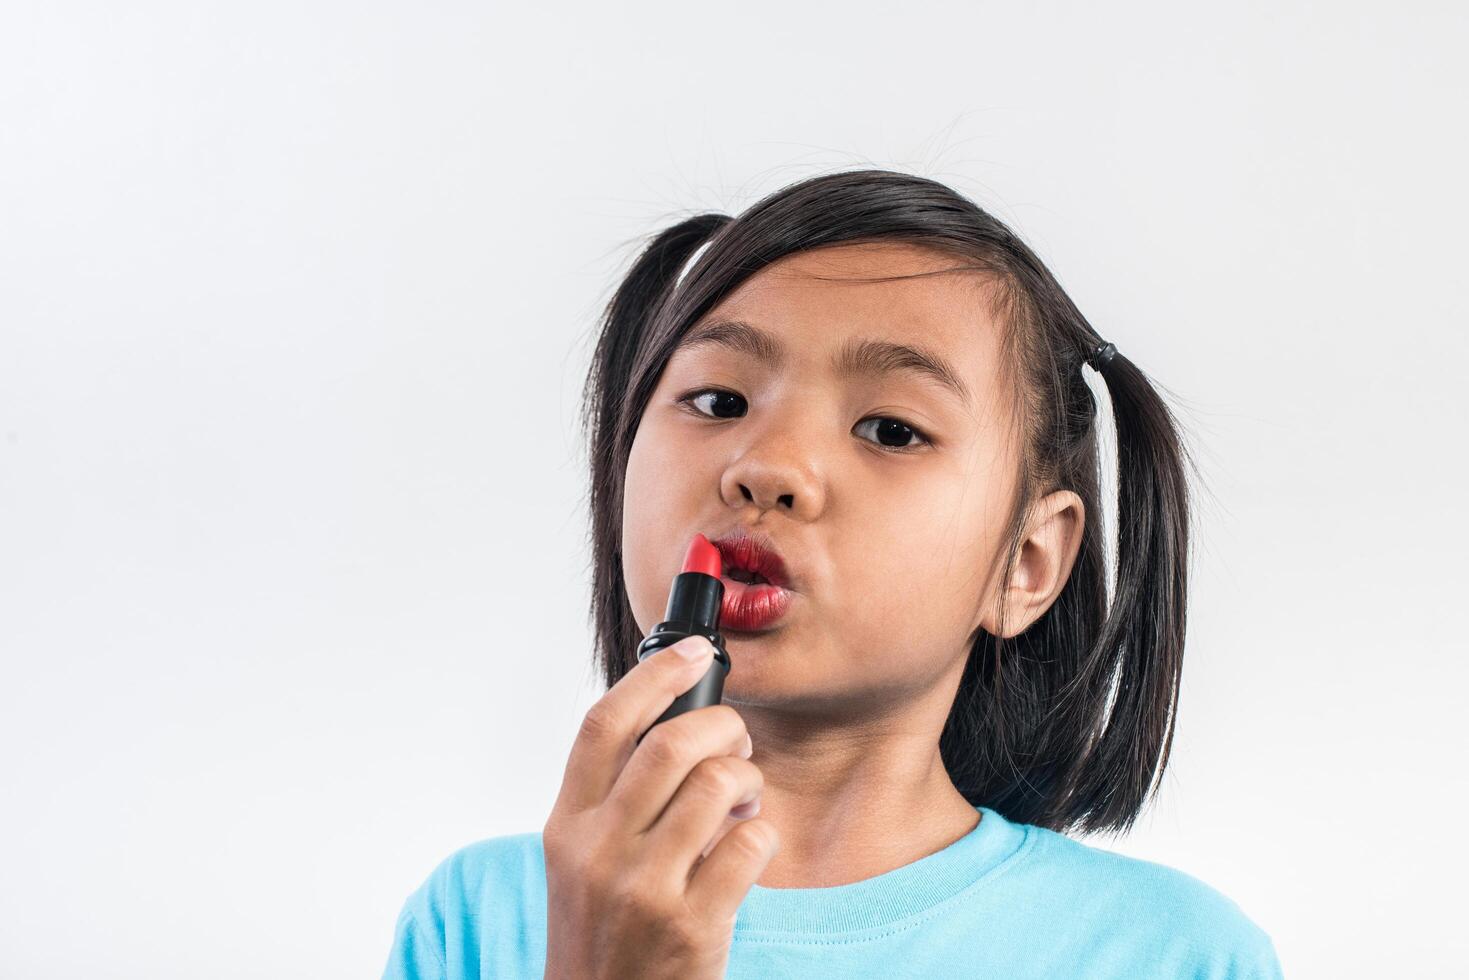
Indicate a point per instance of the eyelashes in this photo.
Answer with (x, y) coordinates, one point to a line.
(904, 428)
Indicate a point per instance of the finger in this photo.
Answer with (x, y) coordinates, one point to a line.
(720, 883)
(732, 819)
(610, 729)
(667, 755)
(698, 810)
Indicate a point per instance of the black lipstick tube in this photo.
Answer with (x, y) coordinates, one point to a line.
(694, 604)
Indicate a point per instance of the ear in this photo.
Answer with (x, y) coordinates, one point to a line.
(1048, 549)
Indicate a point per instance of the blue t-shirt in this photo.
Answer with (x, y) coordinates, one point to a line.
(1006, 900)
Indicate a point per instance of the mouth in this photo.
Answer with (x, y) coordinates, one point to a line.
(752, 559)
(757, 587)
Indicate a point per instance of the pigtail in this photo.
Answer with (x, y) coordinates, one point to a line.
(1142, 634)
(623, 325)
(1068, 723)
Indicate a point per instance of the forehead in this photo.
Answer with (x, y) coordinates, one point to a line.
(821, 301)
(893, 290)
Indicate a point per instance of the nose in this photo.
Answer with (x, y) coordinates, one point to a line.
(775, 474)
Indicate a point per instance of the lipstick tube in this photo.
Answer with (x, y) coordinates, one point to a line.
(694, 603)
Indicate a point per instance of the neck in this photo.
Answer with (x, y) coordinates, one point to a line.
(853, 801)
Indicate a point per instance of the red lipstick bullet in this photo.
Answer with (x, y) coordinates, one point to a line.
(694, 602)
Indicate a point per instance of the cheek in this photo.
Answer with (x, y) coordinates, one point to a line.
(654, 473)
(639, 523)
(658, 512)
(916, 577)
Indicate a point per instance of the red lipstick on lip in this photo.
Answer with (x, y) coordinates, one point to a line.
(694, 604)
(750, 606)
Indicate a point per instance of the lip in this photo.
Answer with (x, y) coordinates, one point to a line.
(750, 606)
(756, 553)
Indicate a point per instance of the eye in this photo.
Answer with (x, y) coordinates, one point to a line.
(892, 433)
(726, 400)
(896, 430)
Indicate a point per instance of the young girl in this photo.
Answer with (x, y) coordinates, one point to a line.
(870, 395)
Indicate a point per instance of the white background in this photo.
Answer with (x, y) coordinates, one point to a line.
(295, 305)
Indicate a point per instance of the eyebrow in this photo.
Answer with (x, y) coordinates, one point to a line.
(857, 356)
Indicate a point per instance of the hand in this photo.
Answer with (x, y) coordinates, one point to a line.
(647, 856)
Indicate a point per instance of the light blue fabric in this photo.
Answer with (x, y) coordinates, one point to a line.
(1007, 900)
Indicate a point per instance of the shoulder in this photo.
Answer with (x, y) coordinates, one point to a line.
(1175, 916)
(498, 879)
(506, 860)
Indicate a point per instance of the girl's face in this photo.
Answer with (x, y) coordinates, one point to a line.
(884, 489)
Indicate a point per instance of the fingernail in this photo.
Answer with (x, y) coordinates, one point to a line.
(746, 810)
(693, 648)
(749, 748)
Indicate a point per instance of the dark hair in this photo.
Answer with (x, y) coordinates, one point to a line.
(1066, 724)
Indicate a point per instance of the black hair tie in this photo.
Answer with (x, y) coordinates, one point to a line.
(1098, 358)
